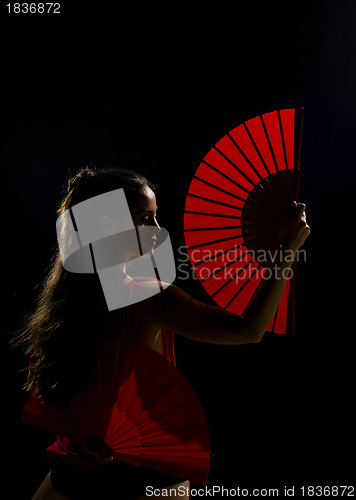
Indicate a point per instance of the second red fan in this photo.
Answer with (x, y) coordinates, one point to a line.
(140, 405)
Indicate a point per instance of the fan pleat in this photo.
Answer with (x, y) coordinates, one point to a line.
(195, 201)
(216, 284)
(255, 141)
(245, 275)
(210, 255)
(220, 264)
(288, 121)
(237, 154)
(207, 222)
(254, 130)
(244, 292)
(201, 252)
(206, 207)
(204, 236)
(274, 133)
(242, 141)
(230, 178)
(282, 139)
(226, 180)
(227, 150)
(215, 193)
(209, 214)
(220, 157)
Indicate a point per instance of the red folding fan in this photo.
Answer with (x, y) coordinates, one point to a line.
(141, 407)
(236, 202)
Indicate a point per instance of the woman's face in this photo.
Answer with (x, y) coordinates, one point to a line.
(144, 214)
(118, 245)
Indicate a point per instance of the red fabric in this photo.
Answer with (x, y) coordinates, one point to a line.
(123, 323)
(167, 335)
(148, 413)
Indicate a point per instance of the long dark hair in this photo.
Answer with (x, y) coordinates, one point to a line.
(60, 335)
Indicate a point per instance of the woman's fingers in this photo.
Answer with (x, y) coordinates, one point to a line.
(103, 453)
(299, 210)
(294, 228)
(304, 228)
(104, 459)
(97, 449)
(295, 212)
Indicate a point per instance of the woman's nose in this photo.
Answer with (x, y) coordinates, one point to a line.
(157, 228)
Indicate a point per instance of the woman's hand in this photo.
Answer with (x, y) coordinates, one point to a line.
(294, 228)
(96, 448)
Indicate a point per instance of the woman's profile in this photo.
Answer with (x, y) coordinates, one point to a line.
(71, 312)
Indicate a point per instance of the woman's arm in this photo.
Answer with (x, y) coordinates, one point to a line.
(176, 310)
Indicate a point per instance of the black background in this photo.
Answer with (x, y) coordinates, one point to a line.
(153, 88)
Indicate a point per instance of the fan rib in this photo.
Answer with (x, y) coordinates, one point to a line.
(214, 201)
(269, 143)
(220, 240)
(226, 176)
(229, 280)
(223, 267)
(218, 254)
(217, 228)
(234, 165)
(298, 122)
(256, 148)
(242, 287)
(219, 188)
(156, 422)
(283, 141)
(213, 215)
(151, 448)
(158, 433)
(245, 157)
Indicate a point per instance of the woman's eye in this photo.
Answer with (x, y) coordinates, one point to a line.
(148, 219)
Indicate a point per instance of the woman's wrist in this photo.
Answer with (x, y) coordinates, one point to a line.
(283, 262)
(288, 253)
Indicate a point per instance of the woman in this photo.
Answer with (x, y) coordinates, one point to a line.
(71, 311)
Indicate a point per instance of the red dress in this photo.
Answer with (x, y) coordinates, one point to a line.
(154, 415)
(121, 323)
